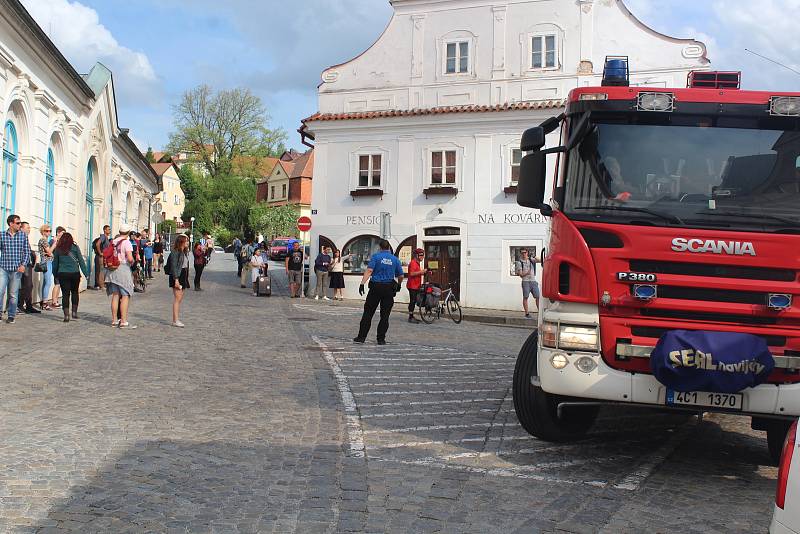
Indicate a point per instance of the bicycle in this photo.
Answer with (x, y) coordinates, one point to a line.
(447, 302)
(139, 280)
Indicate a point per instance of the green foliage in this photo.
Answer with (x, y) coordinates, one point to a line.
(222, 236)
(167, 227)
(274, 220)
(149, 155)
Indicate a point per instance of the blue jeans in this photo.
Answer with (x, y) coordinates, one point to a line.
(9, 280)
(47, 282)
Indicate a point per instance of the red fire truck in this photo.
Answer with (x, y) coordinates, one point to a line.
(670, 209)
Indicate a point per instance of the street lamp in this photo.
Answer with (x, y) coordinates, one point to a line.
(191, 233)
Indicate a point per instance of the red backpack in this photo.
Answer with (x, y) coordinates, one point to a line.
(110, 258)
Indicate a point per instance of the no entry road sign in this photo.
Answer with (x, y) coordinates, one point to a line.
(304, 224)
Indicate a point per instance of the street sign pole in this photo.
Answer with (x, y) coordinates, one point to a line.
(303, 226)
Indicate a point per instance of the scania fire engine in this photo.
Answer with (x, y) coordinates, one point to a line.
(669, 209)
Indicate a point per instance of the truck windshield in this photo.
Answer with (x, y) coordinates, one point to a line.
(706, 177)
(279, 243)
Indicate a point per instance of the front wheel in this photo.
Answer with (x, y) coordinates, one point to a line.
(537, 410)
(454, 310)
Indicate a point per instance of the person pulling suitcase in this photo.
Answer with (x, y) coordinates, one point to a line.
(259, 264)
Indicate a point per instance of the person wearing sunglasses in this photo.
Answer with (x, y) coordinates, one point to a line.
(14, 256)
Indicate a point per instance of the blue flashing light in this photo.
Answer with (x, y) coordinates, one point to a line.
(779, 301)
(645, 291)
(616, 72)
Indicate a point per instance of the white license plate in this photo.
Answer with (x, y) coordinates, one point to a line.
(727, 401)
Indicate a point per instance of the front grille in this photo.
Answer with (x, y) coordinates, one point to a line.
(711, 295)
(708, 317)
(655, 332)
(713, 271)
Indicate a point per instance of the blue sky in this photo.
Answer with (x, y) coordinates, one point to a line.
(159, 48)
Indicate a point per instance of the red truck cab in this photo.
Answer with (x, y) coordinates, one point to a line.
(669, 209)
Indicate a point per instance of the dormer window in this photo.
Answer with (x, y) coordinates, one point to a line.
(544, 51)
(457, 57)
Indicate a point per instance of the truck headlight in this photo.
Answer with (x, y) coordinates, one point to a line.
(566, 336)
(577, 337)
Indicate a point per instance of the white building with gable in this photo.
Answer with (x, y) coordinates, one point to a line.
(66, 160)
(425, 125)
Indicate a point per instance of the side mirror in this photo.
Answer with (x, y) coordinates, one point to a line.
(532, 179)
(532, 139)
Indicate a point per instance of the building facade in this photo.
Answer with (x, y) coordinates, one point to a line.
(66, 160)
(171, 200)
(290, 182)
(425, 126)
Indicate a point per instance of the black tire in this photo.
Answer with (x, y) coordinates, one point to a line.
(428, 315)
(454, 310)
(776, 435)
(537, 410)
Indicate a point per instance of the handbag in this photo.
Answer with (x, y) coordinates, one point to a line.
(40, 268)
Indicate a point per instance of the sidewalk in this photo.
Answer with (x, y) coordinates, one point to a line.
(475, 315)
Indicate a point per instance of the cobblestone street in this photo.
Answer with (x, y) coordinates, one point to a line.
(263, 416)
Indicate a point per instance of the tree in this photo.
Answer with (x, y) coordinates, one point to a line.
(274, 220)
(218, 126)
(167, 227)
(149, 155)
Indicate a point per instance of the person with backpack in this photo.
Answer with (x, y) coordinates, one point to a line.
(525, 268)
(68, 264)
(177, 267)
(244, 262)
(237, 249)
(118, 261)
(200, 260)
(99, 245)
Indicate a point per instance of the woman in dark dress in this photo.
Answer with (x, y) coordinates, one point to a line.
(158, 252)
(178, 266)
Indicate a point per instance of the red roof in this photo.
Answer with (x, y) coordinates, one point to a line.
(304, 166)
(359, 115)
(161, 168)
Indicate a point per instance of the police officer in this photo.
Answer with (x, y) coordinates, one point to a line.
(387, 274)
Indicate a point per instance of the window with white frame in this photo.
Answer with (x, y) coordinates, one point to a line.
(177, 200)
(369, 170)
(164, 196)
(516, 160)
(443, 168)
(457, 57)
(283, 191)
(272, 192)
(544, 51)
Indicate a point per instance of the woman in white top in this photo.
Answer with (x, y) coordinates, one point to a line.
(260, 263)
(337, 273)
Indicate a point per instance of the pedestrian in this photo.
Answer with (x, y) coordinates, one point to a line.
(147, 254)
(68, 263)
(60, 230)
(46, 267)
(200, 260)
(415, 274)
(177, 267)
(525, 268)
(260, 238)
(26, 284)
(337, 273)
(237, 249)
(208, 246)
(119, 280)
(321, 265)
(158, 252)
(259, 264)
(385, 275)
(294, 269)
(99, 245)
(244, 262)
(14, 256)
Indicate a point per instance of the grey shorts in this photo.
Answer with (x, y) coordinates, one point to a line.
(530, 287)
(294, 277)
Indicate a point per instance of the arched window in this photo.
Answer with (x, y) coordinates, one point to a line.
(406, 249)
(49, 187)
(111, 210)
(9, 178)
(325, 242)
(89, 221)
(362, 248)
(128, 207)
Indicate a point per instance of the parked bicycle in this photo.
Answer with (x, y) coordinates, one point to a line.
(435, 302)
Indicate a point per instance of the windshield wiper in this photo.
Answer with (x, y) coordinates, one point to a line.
(665, 216)
(784, 220)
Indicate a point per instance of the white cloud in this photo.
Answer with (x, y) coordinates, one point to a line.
(76, 30)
